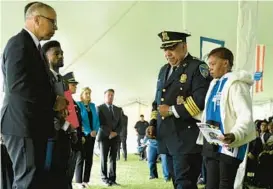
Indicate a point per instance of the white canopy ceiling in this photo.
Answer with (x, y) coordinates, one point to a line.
(112, 44)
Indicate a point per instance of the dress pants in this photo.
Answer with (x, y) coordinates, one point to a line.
(6, 169)
(60, 156)
(84, 160)
(28, 159)
(184, 170)
(108, 146)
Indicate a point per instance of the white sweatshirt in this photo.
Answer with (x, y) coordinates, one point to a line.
(235, 108)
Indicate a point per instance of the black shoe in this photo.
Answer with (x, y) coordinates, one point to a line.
(106, 183)
(114, 183)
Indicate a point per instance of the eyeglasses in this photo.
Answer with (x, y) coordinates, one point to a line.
(53, 21)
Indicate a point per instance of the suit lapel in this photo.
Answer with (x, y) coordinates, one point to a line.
(41, 56)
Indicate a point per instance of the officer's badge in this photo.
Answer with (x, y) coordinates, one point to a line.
(165, 36)
(180, 100)
(204, 70)
(183, 78)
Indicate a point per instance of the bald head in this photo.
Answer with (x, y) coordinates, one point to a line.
(36, 8)
(41, 20)
(28, 5)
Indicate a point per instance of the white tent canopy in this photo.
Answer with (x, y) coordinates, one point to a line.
(114, 44)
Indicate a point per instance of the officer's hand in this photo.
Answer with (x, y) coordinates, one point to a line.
(93, 134)
(227, 138)
(163, 110)
(150, 132)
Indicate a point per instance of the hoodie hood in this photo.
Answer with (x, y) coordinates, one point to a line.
(240, 75)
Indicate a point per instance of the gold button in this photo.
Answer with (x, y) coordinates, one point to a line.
(181, 88)
(164, 90)
(162, 99)
(163, 118)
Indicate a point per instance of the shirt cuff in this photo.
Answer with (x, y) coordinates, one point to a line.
(175, 112)
(65, 126)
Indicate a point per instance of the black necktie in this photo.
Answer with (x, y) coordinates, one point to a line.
(173, 71)
(111, 111)
(59, 78)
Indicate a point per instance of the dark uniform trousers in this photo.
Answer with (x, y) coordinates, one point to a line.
(60, 155)
(185, 89)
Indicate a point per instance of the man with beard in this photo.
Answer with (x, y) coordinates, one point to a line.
(57, 163)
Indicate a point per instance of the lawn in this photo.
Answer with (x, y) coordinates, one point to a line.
(132, 174)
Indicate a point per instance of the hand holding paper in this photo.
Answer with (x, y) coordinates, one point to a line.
(227, 138)
(211, 134)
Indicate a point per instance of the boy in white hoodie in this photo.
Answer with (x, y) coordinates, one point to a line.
(228, 106)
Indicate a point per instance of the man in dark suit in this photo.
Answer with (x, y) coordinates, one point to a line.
(108, 136)
(123, 137)
(64, 132)
(27, 112)
(180, 95)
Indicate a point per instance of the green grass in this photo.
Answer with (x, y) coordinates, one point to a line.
(132, 174)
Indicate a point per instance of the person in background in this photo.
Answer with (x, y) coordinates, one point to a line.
(270, 127)
(140, 128)
(110, 117)
(90, 123)
(123, 137)
(235, 122)
(151, 147)
(263, 128)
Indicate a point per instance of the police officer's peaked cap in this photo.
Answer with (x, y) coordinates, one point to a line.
(70, 78)
(171, 38)
(50, 44)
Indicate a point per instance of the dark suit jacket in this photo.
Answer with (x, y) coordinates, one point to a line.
(29, 97)
(106, 123)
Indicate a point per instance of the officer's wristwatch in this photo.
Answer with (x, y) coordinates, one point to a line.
(170, 111)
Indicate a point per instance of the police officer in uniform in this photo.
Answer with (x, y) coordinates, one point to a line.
(180, 95)
(76, 145)
(65, 134)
